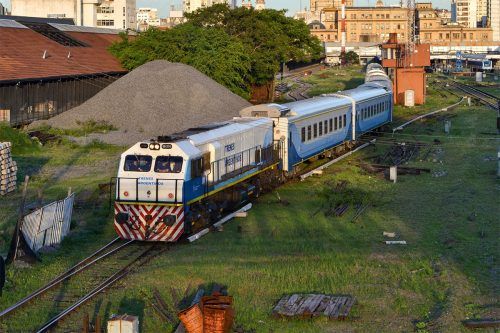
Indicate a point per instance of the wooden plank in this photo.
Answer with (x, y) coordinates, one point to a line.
(322, 305)
(344, 312)
(335, 312)
(331, 306)
(294, 309)
(279, 307)
(307, 309)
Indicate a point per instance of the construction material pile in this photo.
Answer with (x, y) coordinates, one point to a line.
(214, 314)
(157, 98)
(8, 169)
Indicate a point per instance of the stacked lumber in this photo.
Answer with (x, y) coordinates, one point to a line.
(314, 305)
(8, 169)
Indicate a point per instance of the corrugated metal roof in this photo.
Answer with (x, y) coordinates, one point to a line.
(21, 55)
(76, 28)
(11, 24)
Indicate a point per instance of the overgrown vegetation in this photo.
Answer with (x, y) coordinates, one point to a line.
(445, 274)
(237, 47)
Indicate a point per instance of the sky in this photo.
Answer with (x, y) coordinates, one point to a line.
(292, 5)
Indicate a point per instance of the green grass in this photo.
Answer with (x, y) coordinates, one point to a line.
(445, 274)
(331, 80)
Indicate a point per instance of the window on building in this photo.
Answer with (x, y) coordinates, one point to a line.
(105, 10)
(123, 24)
(124, 11)
(105, 23)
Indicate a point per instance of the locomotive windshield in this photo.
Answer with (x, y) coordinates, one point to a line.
(138, 163)
(168, 164)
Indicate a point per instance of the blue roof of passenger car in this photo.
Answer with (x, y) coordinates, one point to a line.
(315, 105)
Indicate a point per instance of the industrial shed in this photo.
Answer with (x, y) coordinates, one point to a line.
(48, 66)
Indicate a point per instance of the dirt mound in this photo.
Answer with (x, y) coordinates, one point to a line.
(157, 98)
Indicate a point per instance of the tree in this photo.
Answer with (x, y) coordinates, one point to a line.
(210, 50)
(350, 58)
(270, 36)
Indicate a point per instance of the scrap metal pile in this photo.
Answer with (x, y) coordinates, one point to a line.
(8, 169)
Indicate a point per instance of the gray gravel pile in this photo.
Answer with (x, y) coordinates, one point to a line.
(157, 98)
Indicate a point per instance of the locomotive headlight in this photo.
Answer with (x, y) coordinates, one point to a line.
(169, 220)
(154, 146)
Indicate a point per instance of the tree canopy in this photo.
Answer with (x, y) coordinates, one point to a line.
(236, 47)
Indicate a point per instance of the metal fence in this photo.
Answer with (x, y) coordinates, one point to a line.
(48, 225)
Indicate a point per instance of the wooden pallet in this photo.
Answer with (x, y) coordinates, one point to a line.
(314, 305)
(8, 169)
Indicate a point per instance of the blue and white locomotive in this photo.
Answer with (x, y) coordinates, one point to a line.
(179, 184)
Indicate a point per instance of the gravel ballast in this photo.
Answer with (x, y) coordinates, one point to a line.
(157, 98)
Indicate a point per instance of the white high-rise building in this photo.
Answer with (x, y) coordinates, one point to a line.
(193, 5)
(494, 18)
(147, 17)
(260, 4)
(482, 10)
(115, 14)
(466, 12)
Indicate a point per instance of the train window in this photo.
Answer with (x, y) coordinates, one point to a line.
(168, 164)
(336, 123)
(326, 126)
(331, 125)
(303, 134)
(320, 128)
(196, 168)
(345, 120)
(340, 122)
(138, 163)
(309, 132)
(315, 129)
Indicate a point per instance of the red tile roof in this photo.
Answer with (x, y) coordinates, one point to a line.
(21, 55)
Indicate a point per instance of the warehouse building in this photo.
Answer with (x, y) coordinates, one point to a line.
(49, 66)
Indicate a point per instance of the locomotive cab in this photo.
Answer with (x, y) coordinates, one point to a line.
(155, 172)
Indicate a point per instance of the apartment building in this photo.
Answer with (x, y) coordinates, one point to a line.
(193, 5)
(465, 12)
(115, 14)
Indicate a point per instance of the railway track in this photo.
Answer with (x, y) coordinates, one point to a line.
(67, 292)
(489, 100)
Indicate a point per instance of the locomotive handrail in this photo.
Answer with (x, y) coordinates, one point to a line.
(157, 184)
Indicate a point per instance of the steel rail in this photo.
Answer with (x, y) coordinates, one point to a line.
(483, 97)
(67, 274)
(105, 284)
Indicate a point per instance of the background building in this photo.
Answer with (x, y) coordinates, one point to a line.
(363, 24)
(465, 12)
(3, 10)
(116, 14)
(193, 5)
(147, 17)
(260, 4)
(494, 18)
(49, 67)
